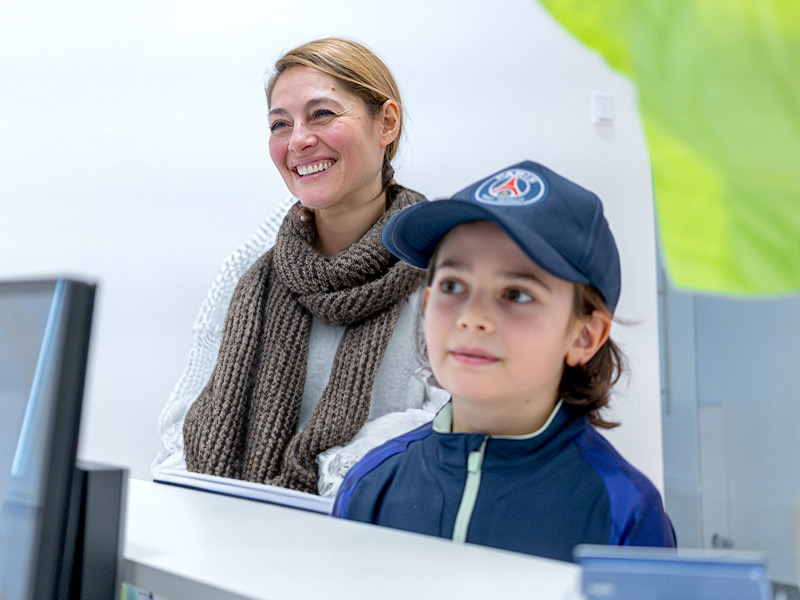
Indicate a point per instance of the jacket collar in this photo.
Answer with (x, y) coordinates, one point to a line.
(443, 423)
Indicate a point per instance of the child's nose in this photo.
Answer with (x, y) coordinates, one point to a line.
(475, 316)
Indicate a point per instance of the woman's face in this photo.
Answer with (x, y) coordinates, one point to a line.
(326, 146)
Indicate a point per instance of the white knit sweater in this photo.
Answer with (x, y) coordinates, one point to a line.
(400, 399)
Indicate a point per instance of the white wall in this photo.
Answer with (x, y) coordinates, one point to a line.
(133, 149)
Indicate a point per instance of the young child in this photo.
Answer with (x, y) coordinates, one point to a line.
(523, 279)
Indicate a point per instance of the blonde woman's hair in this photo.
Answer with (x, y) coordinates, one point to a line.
(361, 73)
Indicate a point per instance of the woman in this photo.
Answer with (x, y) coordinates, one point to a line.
(318, 338)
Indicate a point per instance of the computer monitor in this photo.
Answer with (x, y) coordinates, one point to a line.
(44, 340)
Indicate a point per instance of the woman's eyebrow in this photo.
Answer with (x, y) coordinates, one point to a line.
(309, 105)
(321, 100)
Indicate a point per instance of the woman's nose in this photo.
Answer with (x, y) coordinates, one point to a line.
(302, 138)
(476, 317)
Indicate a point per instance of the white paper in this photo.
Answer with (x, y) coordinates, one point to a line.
(246, 489)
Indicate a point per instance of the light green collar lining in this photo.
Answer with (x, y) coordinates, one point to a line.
(443, 423)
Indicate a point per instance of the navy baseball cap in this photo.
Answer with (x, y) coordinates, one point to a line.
(558, 224)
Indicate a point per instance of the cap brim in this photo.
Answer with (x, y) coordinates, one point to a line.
(414, 233)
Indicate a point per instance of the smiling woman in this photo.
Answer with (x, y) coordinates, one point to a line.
(329, 149)
(318, 337)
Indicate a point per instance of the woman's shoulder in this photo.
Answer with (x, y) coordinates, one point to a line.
(246, 255)
(263, 238)
(236, 264)
(403, 194)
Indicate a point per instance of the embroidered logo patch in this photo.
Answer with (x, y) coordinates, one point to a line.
(514, 187)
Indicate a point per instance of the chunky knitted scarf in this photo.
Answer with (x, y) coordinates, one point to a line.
(244, 423)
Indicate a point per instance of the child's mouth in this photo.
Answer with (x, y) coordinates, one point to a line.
(473, 357)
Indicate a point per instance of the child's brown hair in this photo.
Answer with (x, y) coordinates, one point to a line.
(588, 386)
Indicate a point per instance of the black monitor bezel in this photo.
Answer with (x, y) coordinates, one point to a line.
(51, 554)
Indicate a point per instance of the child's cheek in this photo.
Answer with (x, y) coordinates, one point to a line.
(435, 332)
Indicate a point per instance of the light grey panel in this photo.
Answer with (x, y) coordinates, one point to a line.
(680, 418)
(748, 360)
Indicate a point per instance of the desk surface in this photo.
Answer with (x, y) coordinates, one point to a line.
(190, 545)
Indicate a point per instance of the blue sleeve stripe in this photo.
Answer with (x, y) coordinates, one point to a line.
(372, 460)
(628, 490)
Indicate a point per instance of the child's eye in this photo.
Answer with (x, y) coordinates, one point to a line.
(515, 295)
(450, 286)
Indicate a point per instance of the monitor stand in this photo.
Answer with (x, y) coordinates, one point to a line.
(94, 532)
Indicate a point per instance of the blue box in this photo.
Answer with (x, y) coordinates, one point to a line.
(635, 573)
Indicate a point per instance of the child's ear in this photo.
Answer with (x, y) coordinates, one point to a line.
(425, 300)
(592, 334)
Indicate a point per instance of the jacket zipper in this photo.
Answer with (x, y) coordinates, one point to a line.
(470, 494)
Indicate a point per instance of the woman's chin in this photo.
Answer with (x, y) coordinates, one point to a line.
(316, 196)
(316, 202)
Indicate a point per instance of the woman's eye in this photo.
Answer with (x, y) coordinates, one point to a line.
(322, 113)
(515, 295)
(449, 286)
(277, 125)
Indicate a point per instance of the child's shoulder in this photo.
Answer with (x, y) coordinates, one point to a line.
(385, 451)
(635, 505)
(621, 478)
(377, 463)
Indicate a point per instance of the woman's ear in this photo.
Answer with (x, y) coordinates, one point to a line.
(390, 122)
(592, 334)
(425, 300)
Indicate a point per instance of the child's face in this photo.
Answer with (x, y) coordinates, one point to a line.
(498, 330)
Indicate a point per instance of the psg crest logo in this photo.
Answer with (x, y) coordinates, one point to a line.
(514, 187)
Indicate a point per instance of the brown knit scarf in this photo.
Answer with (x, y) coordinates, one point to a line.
(244, 423)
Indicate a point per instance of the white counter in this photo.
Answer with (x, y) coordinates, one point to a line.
(189, 545)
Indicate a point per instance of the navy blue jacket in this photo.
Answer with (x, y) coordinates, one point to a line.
(540, 494)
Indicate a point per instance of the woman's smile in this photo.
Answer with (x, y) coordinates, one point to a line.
(307, 168)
